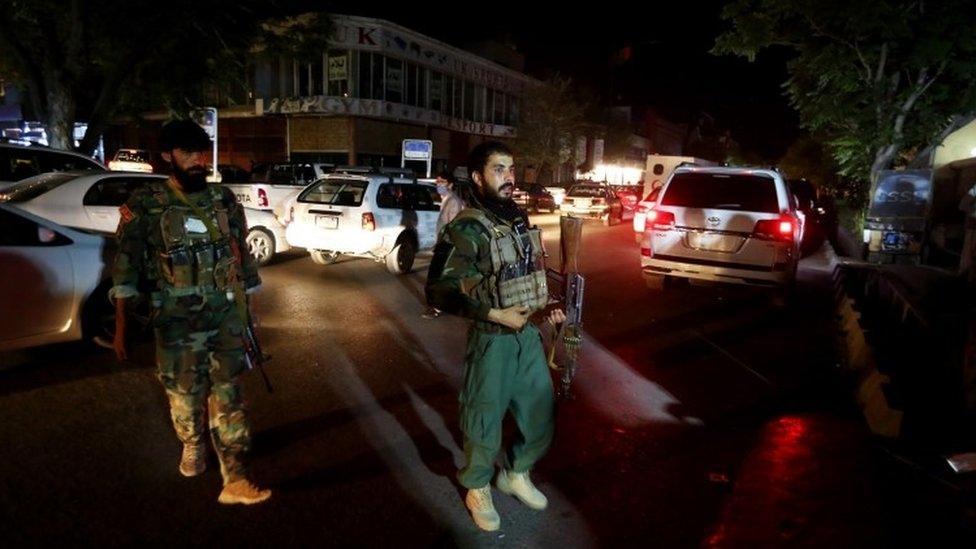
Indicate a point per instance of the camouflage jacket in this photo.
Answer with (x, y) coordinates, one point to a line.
(140, 264)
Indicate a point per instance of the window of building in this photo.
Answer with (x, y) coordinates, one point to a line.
(479, 103)
(436, 91)
(318, 76)
(365, 72)
(422, 78)
(394, 80)
(457, 93)
(411, 89)
(304, 73)
(377, 78)
(512, 114)
(337, 74)
(469, 102)
(498, 108)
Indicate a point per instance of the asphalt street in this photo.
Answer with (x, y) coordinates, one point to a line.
(705, 415)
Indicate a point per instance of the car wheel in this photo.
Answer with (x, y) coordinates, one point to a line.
(324, 257)
(261, 245)
(400, 259)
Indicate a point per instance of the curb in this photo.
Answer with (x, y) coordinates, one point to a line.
(857, 358)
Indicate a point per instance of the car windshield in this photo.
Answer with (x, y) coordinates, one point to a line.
(30, 189)
(722, 191)
(132, 156)
(337, 192)
(586, 190)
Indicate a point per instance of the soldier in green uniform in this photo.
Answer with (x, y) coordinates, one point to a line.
(488, 266)
(182, 242)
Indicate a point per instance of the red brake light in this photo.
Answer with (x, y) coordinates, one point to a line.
(262, 197)
(369, 224)
(775, 229)
(660, 219)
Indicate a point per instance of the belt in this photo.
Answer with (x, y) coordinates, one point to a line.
(492, 328)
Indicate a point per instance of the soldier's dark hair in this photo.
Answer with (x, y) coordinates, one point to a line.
(184, 134)
(479, 155)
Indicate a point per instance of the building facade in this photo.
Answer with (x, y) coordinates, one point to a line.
(378, 84)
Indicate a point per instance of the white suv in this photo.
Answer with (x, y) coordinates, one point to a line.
(384, 216)
(723, 224)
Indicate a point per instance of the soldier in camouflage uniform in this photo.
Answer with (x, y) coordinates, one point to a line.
(181, 241)
(489, 266)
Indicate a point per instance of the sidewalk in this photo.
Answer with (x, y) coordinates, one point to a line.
(913, 322)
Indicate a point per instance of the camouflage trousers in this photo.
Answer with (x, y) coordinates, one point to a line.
(200, 357)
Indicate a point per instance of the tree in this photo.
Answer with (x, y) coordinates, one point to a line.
(552, 119)
(880, 79)
(94, 60)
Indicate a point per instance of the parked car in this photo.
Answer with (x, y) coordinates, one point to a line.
(384, 216)
(819, 214)
(533, 197)
(56, 282)
(593, 201)
(131, 160)
(274, 185)
(92, 201)
(640, 213)
(724, 224)
(558, 193)
(18, 162)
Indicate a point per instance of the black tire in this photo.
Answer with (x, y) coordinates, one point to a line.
(323, 257)
(261, 245)
(400, 259)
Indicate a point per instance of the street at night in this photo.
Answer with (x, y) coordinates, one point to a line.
(702, 415)
(494, 274)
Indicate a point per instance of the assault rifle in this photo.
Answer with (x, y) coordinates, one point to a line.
(254, 357)
(571, 290)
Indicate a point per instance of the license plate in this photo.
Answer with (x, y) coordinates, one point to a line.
(327, 222)
(892, 240)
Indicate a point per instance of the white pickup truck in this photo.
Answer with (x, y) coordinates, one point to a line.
(283, 183)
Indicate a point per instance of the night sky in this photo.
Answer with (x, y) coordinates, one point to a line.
(670, 71)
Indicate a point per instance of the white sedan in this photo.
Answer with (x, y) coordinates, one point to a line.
(91, 201)
(55, 282)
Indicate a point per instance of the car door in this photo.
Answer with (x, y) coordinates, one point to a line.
(422, 199)
(38, 291)
(103, 199)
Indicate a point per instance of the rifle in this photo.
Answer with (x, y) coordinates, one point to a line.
(253, 355)
(572, 287)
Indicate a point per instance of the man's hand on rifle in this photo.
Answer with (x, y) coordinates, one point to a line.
(513, 317)
(118, 342)
(556, 317)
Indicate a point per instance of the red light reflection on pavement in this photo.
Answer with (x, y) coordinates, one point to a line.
(803, 484)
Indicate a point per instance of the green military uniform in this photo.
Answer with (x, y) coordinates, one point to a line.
(165, 249)
(483, 262)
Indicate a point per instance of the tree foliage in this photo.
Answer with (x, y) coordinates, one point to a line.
(95, 60)
(878, 79)
(552, 119)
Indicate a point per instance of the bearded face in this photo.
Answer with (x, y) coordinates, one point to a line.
(190, 169)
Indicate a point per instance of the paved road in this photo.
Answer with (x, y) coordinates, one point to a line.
(705, 415)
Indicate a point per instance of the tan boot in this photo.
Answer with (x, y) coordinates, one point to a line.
(482, 509)
(520, 486)
(243, 491)
(194, 460)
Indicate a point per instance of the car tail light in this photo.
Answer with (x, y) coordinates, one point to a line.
(369, 223)
(262, 197)
(781, 229)
(646, 252)
(660, 219)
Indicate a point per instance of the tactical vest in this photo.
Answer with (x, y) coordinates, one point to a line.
(518, 268)
(191, 261)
